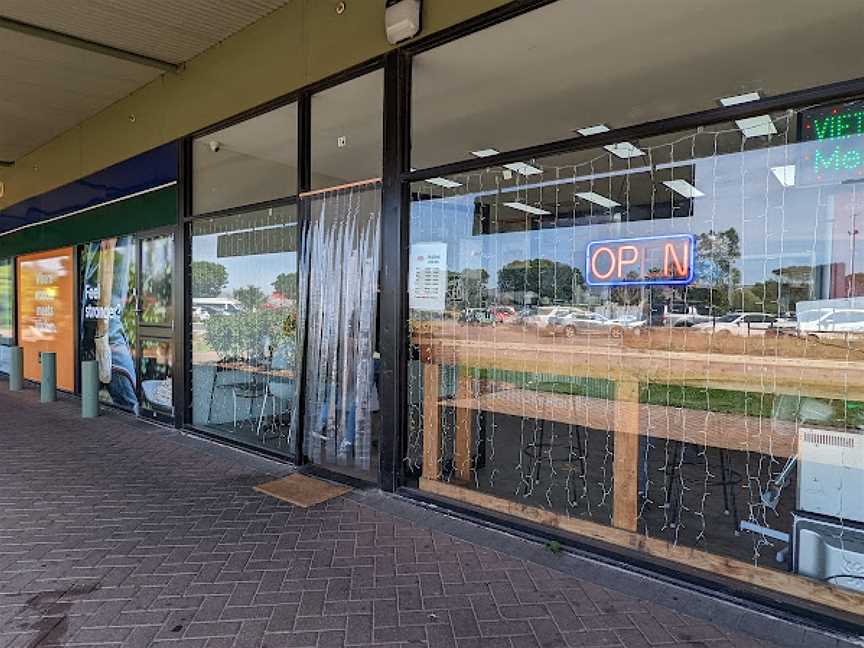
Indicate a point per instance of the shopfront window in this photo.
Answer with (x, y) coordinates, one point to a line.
(7, 301)
(251, 162)
(348, 131)
(45, 319)
(663, 350)
(574, 65)
(244, 324)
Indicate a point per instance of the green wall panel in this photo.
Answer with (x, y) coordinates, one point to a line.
(148, 211)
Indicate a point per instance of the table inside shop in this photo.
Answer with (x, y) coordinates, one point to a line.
(625, 417)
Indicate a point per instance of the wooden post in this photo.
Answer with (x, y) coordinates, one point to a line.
(431, 421)
(462, 451)
(626, 464)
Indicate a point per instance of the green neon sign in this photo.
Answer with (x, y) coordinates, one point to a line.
(839, 133)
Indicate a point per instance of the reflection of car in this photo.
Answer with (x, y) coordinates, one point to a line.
(545, 316)
(740, 324)
(476, 316)
(682, 315)
(833, 323)
(502, 313)
(587, 323)
(206, 307)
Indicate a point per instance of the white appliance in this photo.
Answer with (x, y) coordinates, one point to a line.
(831, 473)
(829, 552)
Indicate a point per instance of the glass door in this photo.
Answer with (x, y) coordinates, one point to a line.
(155, 326)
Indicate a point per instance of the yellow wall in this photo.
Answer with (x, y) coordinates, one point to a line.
(303, 42)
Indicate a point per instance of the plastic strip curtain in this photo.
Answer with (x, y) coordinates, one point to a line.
(338, 313)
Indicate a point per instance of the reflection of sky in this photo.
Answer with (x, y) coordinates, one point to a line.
(805, 224)
(259, 270)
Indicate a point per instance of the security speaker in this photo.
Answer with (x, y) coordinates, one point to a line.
(402, 20)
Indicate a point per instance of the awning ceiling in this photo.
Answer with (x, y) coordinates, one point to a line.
(50, 84)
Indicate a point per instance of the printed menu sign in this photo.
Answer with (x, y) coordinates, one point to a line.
(45, 321)
(427, 281)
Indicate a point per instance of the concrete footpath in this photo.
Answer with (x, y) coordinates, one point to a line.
(114, 532)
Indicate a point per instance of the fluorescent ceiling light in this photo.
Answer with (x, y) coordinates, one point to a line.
(597, 199)
(752, 126)
(488, 152)
(593, 130)
(527, 208)
(624, 150)
(444, 182)
(684, 188)
(675, 165)
(785, 174)
(756, 126)
(739, 99)
(523, 168)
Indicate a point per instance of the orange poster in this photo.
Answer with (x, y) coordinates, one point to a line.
(45, 312)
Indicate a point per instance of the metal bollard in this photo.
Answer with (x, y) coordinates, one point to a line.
(16, 368)
(89, 389)
(48, 388)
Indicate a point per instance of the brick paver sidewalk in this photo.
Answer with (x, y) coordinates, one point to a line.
(115, 532)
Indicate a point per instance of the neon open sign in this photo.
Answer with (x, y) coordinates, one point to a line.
(644, 261)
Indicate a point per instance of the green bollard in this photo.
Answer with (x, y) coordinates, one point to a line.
(16, 368)
(48, 388)
(89, 389)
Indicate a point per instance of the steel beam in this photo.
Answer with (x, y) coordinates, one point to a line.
(84, 44)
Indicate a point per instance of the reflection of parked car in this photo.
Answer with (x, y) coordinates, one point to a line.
(476, 316)
(587, 323)
(200, 314)
(502, 314)
(545, 316)
(740, 324)
(682, 315)
(206, 307)
(833, 323)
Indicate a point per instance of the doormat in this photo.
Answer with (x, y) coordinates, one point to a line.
(301, 490)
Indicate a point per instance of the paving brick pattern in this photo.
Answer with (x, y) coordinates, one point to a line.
(117, 533)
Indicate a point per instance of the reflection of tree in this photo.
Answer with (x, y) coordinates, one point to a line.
(628, 295)
(251, 297)
(716, 254)
(550, 280)
(286, 285)
(251, 334)
(779, 293)
(208, 278)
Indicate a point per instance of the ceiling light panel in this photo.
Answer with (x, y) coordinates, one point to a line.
(785, 174)
(523, 168)
(597, 199)
(444, 182)
(528, 209)
(593, 130)
(684, 188)
(487, 152)
(624, 150)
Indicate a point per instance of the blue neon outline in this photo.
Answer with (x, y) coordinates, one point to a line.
(643, 282)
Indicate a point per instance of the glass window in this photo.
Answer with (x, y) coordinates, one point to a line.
(578, 347)
(250, 162)
(7, 300)
(348, 131)
(573, 65)
(244, 324)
